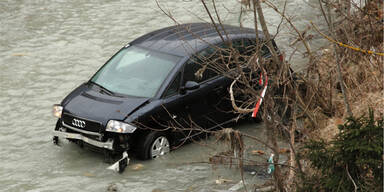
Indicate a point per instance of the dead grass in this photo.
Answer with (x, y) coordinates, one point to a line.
(363, 79)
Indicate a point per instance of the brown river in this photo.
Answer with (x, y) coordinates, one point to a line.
(49, 47)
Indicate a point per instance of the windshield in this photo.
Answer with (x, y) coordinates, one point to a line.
(135, 71)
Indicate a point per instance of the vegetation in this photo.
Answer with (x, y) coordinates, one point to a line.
(351, 162)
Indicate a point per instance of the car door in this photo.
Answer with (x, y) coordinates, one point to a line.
(181, 110)
(192, 109)
(173, 105)
(204, 104)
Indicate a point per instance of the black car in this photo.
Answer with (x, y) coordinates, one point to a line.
(141, 97)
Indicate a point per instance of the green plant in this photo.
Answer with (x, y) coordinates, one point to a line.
(351, 162)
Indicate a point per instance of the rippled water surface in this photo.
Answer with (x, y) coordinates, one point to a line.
(48, 47)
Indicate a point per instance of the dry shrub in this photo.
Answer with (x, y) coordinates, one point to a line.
(364, 27)
(362, 73)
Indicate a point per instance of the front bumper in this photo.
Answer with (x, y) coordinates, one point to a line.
(104, 145)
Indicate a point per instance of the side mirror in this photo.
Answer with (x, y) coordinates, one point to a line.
(189, 85)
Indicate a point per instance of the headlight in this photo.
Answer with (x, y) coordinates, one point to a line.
(57, 110)
(119, 127)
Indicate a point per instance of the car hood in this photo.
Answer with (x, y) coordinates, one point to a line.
(91, 103)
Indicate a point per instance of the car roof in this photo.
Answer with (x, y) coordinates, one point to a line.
(187, 39)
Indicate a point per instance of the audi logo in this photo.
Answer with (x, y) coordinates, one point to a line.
(78, 123)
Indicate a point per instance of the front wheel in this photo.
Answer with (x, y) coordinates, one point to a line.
(153, 145)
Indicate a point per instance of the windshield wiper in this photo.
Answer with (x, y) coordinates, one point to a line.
(105, 90)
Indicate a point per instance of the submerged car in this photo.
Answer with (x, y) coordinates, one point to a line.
(151, 88)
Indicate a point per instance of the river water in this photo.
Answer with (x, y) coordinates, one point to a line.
(48, 47)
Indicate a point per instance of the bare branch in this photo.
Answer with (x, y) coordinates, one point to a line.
(237, 109)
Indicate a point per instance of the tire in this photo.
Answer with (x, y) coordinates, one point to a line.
(153, 145)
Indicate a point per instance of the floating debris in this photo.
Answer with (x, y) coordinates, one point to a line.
(137, 167)
(158, 190)
(237, 187)
(121, 164)
(112, 188)
(271, 166)
(19, 54)
(284, 150)
(222, 181)
(257, 152)
(266, 189)
(89, 174)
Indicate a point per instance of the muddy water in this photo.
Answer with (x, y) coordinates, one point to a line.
(48, 47)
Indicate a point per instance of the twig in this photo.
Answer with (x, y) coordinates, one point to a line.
(349, 175)
(212, 20)
(218, 18)
(294, 28)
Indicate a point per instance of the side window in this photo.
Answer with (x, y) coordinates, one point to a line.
(264, 50)
(241, 45)
(250, 45)
(173, 88)
(199, 68)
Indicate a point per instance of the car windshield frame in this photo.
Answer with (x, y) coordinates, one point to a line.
(140, 64)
